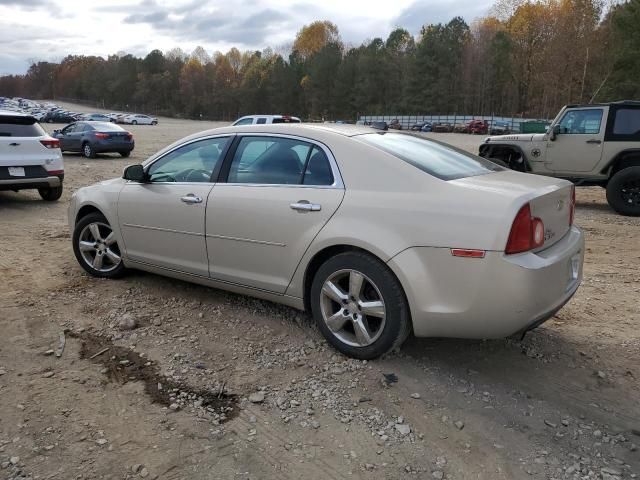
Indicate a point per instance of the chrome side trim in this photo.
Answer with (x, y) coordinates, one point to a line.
(160, 229)
(248, 240)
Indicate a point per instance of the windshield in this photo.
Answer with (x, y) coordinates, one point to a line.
(435, 158)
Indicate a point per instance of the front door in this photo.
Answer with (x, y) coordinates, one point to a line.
(280, 192)
(70, 137)
(578, 145)
(163, 220)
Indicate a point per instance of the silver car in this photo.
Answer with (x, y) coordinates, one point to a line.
(377, 234)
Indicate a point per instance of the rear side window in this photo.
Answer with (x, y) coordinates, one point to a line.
(627, 122)
(261, 121)
(285, 120)
(279, 161)
(435, 158)
(20, 127)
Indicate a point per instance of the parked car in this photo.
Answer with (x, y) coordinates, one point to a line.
(478, 127)
(380, 125)
(58, 117)
(316, 217)
(139, 119)
(94, 117)
(442, 128)
(265, 119)
(418, 126)
(592, 144)
(29, 157)
(500, 128)
(395, 124)
(92, 137)
(427, 127)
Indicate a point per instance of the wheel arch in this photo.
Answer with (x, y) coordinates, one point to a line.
(323, 255)
(87, 210)
(486, 150)
(626, 158)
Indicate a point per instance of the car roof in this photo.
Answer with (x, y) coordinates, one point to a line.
(293, 129)
(634, 103)
(13, 113)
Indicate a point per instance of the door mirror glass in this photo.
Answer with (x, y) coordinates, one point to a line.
(135, 173)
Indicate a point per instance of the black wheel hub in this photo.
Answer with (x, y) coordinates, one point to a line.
(630, 192)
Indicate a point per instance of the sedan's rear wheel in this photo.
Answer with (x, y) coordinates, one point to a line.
(359, 305)
(96, 248)
(88, 151)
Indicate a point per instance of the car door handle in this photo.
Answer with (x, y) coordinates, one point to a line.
(593, 140)
(305, 206)
(191, 198)
(14, 144)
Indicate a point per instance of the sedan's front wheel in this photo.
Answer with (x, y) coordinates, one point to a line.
(96, 248)
(359, 305)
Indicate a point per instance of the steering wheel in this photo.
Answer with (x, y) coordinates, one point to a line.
(194, 175)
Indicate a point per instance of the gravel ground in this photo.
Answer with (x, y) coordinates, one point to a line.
(194, 383)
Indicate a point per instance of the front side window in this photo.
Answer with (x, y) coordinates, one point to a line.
(438, 159)
(581, 122)
(279, 161)
(244, 121)
(193, 162)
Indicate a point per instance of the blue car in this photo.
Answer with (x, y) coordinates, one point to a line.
(90, 138)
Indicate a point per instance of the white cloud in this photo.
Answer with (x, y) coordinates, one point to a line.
(49, 30)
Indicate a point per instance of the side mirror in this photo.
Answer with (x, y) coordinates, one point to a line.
(135, 173)
(555, 131)
(56, 132)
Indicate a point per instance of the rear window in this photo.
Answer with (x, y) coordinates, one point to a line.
(285, 120)
(106, 127)
(438, 159)
(20, 127)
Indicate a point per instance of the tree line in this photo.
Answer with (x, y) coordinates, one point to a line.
(526, 58)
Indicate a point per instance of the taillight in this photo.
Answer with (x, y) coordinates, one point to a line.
(53, 143)
(527, 232)
(129, 136)
(102, 136)
(572, 206)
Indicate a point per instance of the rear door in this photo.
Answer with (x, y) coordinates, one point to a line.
(279, 192)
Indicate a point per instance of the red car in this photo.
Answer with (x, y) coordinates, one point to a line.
(480, 127)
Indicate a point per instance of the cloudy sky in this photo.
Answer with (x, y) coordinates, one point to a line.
(32, 30)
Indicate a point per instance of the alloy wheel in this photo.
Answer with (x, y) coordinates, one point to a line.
(630, 192)
(352, 308)
(98, 247)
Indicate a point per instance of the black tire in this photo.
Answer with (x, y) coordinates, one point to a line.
(154, 123)
(397, 324)
(623, 191)
(50, 194)
(125, 154)
(88, 150)
(134, 122)
(77, 231)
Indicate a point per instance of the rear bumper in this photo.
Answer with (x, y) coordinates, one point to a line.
(29, 183)
(492, 297)
(106, 147)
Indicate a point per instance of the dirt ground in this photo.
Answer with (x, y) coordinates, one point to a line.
(211, 385)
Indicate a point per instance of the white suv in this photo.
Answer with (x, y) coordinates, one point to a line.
(264, 119)
(29, 157)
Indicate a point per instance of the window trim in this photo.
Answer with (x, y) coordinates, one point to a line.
(216, 171)
(335, 170)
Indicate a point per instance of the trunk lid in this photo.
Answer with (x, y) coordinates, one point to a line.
(549, 198)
